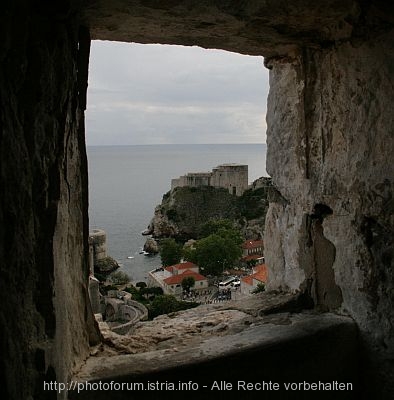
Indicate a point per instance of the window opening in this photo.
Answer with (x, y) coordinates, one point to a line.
(156, 113)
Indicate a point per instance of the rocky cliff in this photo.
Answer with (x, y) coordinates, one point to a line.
(331, 229)
(184, 210)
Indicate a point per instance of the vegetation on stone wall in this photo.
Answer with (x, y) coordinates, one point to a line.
(189, 208)
(144, 295)
(158, 303)
(166, 304)
(104, 289)
(185, 210)
(253, 203)
(213, 226)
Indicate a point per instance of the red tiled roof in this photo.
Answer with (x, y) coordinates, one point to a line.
(176, 279)
(252, 244)
(261, 274)
(184, 265)
(169, 269)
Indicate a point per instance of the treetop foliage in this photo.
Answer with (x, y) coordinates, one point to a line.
(170, 252)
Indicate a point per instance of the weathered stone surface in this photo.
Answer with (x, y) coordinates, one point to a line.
(45, 316)
(177, 330)
(183, 329)
(253, 27)
(329, 140)
(151, 246)
(305, 341)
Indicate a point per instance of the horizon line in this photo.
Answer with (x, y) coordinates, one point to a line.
(173, 144)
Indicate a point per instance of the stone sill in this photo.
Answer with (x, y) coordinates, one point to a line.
(280, 347)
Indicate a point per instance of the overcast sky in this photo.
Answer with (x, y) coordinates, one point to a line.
(156, 94)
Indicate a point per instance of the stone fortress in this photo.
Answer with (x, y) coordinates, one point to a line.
(115, 311)
(97, 247)
(233, 177)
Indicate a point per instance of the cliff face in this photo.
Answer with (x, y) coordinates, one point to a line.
(184, 210)
(332, 222)
(45, 314)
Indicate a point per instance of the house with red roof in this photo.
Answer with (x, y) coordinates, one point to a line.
(180, 268)
(253, 250)
(259, 275)
(170, 278)
(251, 247)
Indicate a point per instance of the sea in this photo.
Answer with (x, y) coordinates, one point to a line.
(127, 182)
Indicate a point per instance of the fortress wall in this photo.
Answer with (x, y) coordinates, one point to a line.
(230, 177)
(98, 244)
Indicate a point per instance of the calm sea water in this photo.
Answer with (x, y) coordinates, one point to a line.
(127, 182)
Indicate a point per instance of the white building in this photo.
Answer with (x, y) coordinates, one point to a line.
(170, 278)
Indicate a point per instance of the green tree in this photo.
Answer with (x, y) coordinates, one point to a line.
(156, 291)
(232, 235)
(251, 263)
(189, 254)
(119, 278)
(170, 252)
(163, 305)
(151, 292)
(218, 251)
(214, 225)
(166, 304)
(187, 283)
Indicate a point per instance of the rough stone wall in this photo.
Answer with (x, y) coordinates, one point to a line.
(232, 177)
(44, 317)
(330, 148)
(268, 28)
(98, 244)
(192, 179)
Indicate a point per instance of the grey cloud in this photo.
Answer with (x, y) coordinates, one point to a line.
(140, 94)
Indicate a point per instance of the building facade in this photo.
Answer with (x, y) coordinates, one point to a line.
(170, 278)
(259, 276)
(233, 177)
